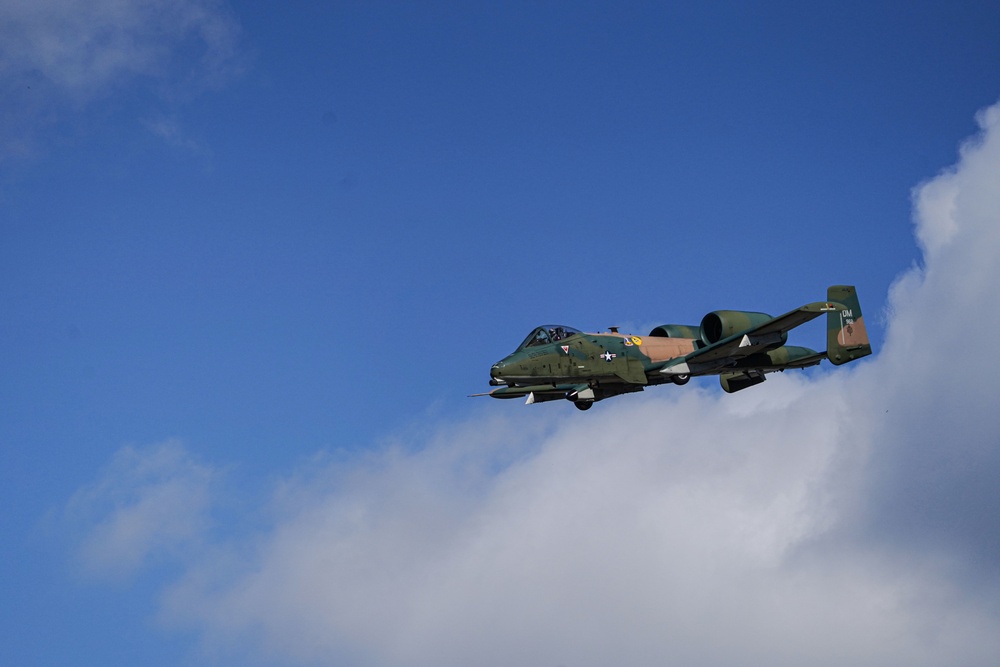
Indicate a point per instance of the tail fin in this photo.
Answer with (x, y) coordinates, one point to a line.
(846, 336)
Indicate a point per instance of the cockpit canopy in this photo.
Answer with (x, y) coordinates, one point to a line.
(548, 333)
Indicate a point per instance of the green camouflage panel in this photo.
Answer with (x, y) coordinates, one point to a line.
(591, 355)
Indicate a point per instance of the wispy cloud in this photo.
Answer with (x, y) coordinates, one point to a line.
(169, 130)
(57, 56)
(148, 504)
(848, 519)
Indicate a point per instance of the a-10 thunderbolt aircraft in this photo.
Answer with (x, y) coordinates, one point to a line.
(556, 362)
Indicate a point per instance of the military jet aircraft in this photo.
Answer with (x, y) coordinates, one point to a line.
(559, 362)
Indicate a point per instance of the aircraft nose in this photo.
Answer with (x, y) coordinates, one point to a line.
(498, 371)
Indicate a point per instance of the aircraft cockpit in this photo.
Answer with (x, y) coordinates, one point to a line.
(549, 333)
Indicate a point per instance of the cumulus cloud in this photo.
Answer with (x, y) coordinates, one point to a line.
(845, 519)
(936, 447)
(59, 55)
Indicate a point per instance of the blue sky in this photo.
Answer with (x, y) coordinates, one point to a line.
(253, 259)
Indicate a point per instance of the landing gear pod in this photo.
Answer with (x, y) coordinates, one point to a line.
(733, 382)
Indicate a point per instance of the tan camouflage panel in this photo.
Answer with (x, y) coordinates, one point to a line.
(662, 349)
(853, 333)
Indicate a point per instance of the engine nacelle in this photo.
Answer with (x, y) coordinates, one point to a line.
(676, 331)
(720, 324)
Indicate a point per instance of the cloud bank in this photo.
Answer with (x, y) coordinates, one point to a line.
(848, 519)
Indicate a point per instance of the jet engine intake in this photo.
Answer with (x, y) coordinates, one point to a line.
(676, 331)
(720, 324)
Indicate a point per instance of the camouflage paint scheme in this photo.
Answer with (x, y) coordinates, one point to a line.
(741, 347)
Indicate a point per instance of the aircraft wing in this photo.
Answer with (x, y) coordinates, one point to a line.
(726, 352)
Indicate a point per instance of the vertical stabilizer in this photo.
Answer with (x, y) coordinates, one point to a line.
(846, 336)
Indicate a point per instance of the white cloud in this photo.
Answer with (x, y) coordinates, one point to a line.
(934, 466)
(848, 519)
